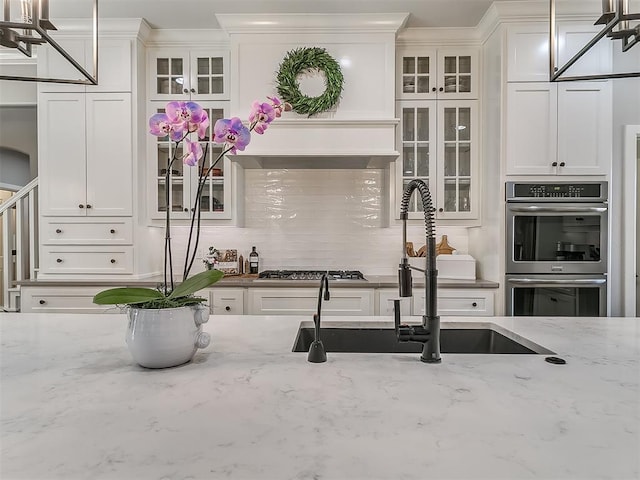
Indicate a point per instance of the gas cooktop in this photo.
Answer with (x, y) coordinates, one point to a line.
(310, 274)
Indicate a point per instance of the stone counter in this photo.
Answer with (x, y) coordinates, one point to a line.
(75, 407)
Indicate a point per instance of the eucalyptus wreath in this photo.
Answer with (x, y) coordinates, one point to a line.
(299, 61)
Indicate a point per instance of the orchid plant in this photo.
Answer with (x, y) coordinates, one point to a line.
(179, 121)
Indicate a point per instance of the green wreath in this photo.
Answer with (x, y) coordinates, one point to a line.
(303, 59)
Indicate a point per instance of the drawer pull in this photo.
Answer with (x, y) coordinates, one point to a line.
(59, 260)
(113, 260)
(58, 230)
(227, 308)
(474, 304)
(42, 302)
(112, 231)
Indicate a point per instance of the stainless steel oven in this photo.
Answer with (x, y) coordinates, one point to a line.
(556, 228)
(556, 251)
(557, 295)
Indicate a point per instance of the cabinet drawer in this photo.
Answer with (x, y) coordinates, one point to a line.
(62, 300)
(385, 299)
(463, 302)
(227, 301)
(87, 260)
(304, 301)
(79, 231)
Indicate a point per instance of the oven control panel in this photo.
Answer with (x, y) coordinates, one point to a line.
(586, 191)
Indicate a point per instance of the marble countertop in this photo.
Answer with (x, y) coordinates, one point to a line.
(372, 281)
(74, 406)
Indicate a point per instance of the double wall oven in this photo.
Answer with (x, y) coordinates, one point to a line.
(557, 245)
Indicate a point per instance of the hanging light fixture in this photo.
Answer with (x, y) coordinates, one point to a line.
(33, 29)
(619, 24)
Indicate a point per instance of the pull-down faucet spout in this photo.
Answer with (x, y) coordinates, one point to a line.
(429, 332)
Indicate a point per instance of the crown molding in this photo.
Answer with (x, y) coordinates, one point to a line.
(438, 36)
(187, 38)
(312, 23)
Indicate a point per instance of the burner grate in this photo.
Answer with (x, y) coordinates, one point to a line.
(311, 274)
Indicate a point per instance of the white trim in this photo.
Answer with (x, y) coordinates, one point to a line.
(629, 206)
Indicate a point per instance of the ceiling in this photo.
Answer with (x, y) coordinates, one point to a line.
(201, 13)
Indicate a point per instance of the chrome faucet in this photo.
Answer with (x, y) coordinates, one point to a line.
(317, 352)
(429, 332)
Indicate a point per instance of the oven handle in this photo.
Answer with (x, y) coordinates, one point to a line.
(535, 208)
(540, 282)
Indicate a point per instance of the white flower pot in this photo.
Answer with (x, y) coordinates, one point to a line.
(160, 338)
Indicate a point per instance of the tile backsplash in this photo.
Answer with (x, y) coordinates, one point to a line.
(319, 219)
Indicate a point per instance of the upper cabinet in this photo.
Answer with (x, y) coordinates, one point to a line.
(85, 157)
(528, 51)
(176, 74)
(443, 73)
(559, 128)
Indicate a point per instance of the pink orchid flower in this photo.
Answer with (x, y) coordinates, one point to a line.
(279, 107)
(233, 133)
(201, 127)
(160, 125)
(193, 153)
(262, 114)
(184, 113)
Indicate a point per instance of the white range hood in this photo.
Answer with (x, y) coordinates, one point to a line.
(360, 132)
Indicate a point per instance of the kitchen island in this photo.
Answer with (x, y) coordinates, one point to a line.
(74, 406)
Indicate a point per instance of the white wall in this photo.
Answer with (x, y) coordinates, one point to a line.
(324, 219)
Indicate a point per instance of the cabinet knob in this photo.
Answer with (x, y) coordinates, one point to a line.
(42, 302)
(433, 89)
(227, 308)
(185, 90)
(81, 206)
(441, 209)
(112, 231)
(193, 90)
(113, 260)
(441, 89)
(88, 206)
(554, 164)
(186, 209)
(59, 260)
(562, 164)
(474, 304)
(58, 230)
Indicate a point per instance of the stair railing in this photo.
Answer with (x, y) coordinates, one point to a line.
(19, 240)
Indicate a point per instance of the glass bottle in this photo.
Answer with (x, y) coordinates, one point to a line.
(253, 261)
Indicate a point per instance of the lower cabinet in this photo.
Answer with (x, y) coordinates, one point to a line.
(458, 302)
(304, 301)
(227, 301)
(62, 300)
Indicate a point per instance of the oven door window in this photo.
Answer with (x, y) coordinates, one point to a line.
(555, 238)
(557, 301)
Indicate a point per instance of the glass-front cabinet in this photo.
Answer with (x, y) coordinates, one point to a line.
(197, 74)
(445, 73)
(438, 144)
(209, 178)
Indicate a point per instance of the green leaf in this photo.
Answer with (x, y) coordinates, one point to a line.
(197, 282)
(126, 295)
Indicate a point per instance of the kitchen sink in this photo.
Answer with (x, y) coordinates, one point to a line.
(378, 337)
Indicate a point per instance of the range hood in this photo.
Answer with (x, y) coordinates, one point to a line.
(322, 143)
(360, 131)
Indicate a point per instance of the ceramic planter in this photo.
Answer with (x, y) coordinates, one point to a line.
(160, 338)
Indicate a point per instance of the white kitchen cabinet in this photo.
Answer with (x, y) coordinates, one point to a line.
(384, 302)
(86, 259)
(85, 154)
(179, 74)
(62, 300)
(114, 63)
(559, 128)
(79, 231)
(439, 144)
(528, 51)
(227, 301)
(183, 184)
(457, 302)
(304, 301)
(442, 73)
